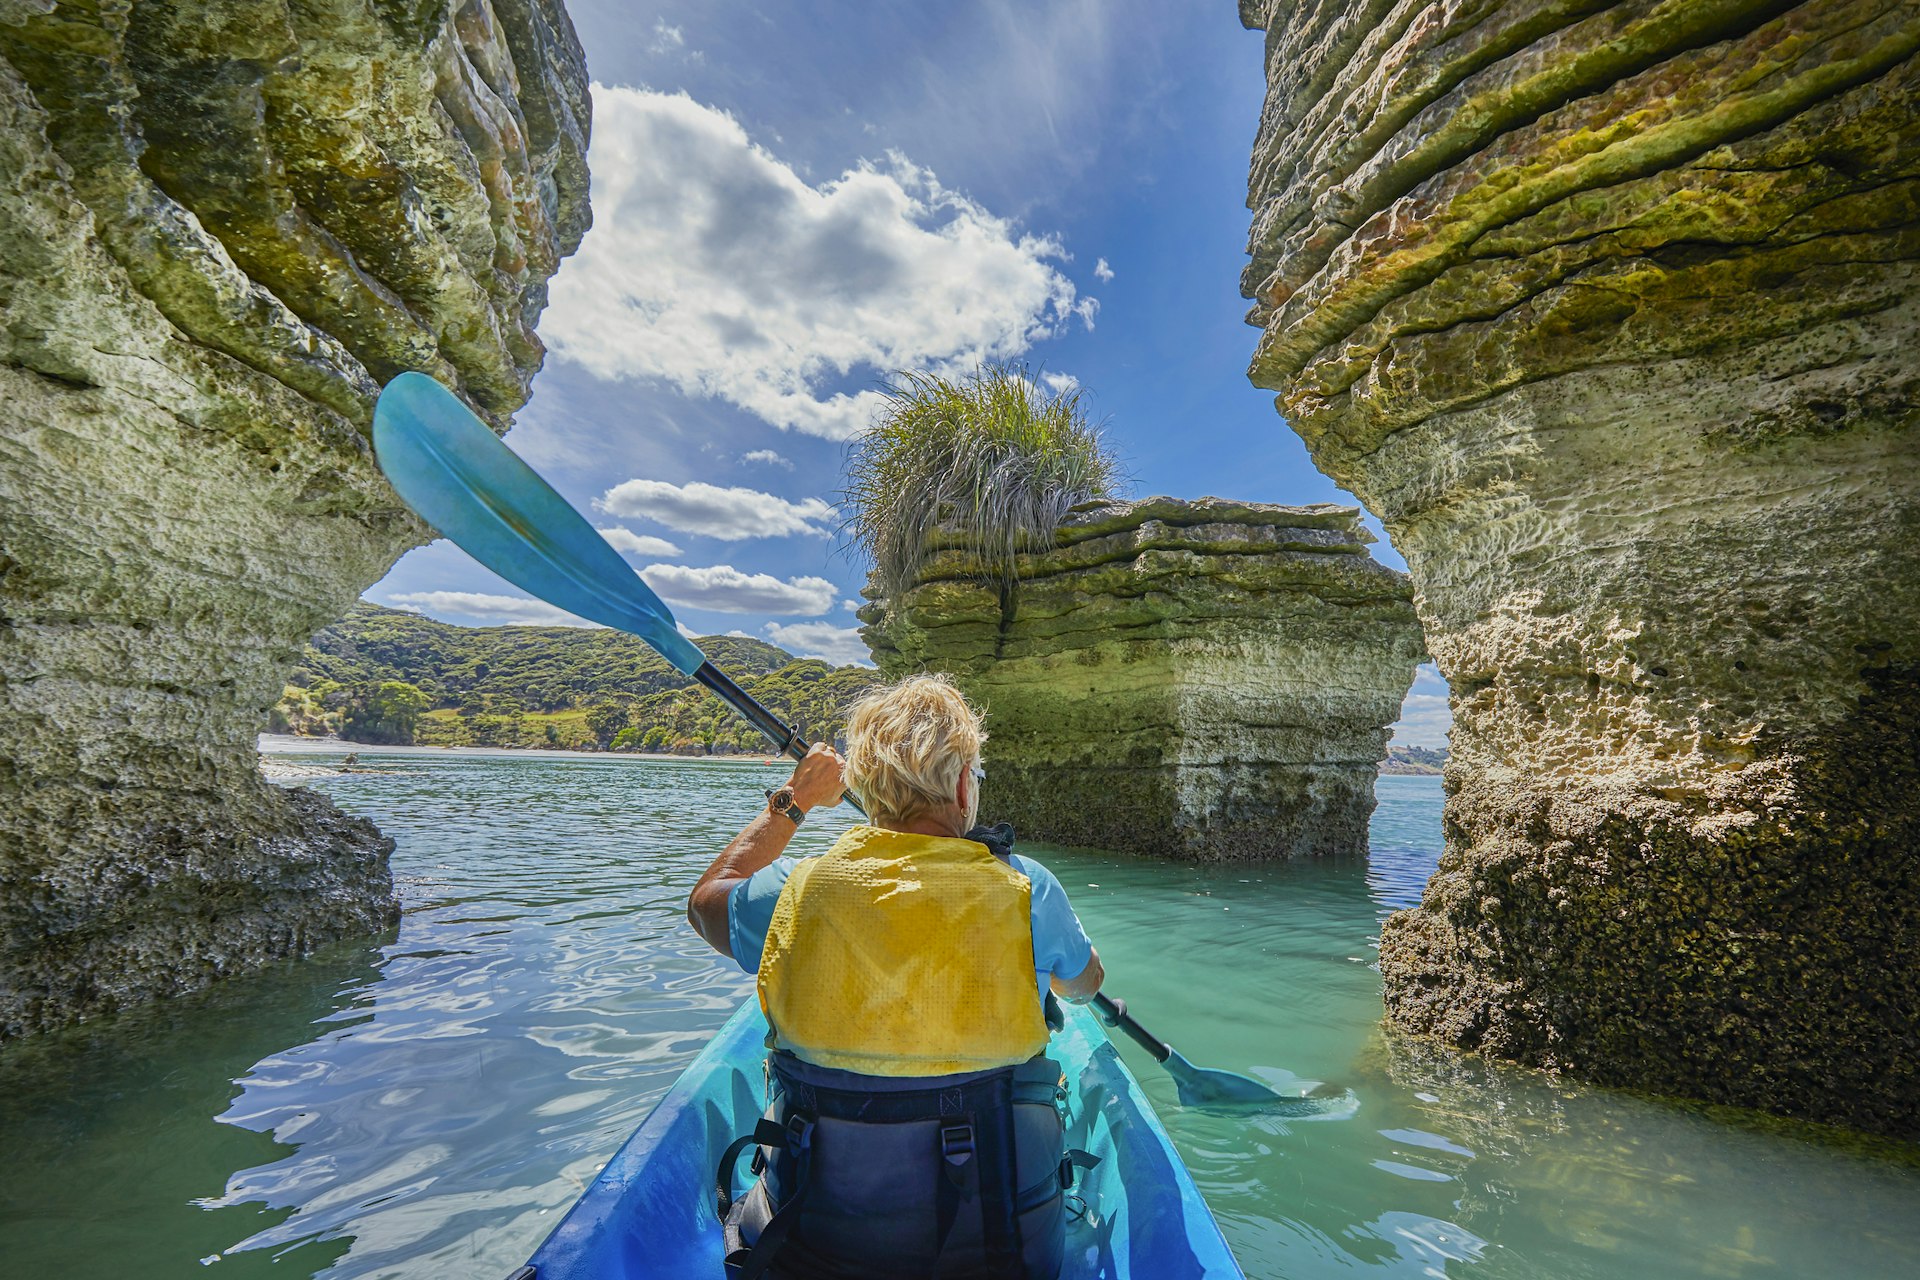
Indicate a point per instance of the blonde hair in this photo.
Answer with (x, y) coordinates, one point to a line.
(907, 743)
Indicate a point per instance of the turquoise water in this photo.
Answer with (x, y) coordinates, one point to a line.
(430, 1107)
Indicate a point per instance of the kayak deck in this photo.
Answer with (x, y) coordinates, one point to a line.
(650, 1213)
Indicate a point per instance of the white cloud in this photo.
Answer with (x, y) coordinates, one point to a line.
(1426, 716)
(1060, 383)
(838, 645)
(767, 456)
(725, 589)
(665, 38)
(1087, 309)
(708, 509)
(850, 605)
(1102, 272)
(712, 266)
(483, 607)
(638, 544)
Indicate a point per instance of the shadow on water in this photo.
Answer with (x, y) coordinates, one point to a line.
(111, 1136)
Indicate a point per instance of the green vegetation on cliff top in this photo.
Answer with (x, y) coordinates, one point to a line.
(991, 455)
(383, 675)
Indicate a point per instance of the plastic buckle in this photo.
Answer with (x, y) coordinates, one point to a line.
(956, 1143)
(956, 1153)
(799, 1133)
(1075, 1159)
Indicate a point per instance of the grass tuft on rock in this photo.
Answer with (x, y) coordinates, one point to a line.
(992, 455)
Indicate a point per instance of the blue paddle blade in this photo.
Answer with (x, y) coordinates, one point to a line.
(460, 478)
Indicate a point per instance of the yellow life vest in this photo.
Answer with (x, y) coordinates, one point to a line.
(903, 955)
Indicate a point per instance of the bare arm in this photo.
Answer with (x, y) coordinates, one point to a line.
(1083, 988)
(816, 782)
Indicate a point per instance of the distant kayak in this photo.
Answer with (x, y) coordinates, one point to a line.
(650, 1213)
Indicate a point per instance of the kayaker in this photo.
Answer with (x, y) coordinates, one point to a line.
(914, 1125)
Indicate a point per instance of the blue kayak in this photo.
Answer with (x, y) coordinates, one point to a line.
(650, 1213)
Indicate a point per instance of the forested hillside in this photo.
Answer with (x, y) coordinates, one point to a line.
(382, 675)
(1417, 760)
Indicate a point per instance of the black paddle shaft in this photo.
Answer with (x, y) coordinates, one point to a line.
(782, 736)
(1114, 1013)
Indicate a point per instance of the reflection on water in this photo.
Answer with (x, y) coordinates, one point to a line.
(107, 1128)
(429, 1108)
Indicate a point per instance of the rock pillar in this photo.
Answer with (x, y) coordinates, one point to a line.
(1609, 311)
(1200, 680)
(222, 226)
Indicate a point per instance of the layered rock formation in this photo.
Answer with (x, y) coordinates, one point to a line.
(1609, 310)
(222, 227)
(1198, 680)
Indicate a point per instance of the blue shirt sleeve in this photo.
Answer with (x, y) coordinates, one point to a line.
(750, 911)
(1060, 946)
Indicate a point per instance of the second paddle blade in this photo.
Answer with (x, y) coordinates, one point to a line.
(1216, 1090)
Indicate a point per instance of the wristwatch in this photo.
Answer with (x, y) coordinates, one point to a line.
(781, 802)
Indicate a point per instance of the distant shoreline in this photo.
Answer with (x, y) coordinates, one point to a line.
(286, 744)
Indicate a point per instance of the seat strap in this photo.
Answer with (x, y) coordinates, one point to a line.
(999, 1227)
(766, 1134)
(899, 1106)
(796, 1139)
(959, 1178)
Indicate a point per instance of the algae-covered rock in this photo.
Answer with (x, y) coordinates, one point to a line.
(1199, 680)
(1609, 311)
(222, 226)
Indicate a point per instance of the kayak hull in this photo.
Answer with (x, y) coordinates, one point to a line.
(650, 1213)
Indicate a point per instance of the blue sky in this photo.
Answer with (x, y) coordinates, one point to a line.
(790, 201)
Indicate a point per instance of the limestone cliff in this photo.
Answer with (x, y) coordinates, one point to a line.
(222, 226)
(1199, 680)
(1609, 311)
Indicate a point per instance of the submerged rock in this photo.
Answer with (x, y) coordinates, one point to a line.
(1199, 680)
(1609, 311)
(222, 227)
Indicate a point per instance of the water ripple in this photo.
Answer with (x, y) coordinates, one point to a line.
(431, 1107)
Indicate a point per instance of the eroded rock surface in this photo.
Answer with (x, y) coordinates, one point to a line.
(1198, 680)
(222, 227)
(1609, 310)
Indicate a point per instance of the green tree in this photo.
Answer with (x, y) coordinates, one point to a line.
(388, 712)
(487, 674)
(606, 720)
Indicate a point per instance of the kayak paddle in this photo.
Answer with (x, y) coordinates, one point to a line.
(1199, 1086)
(459, 477)
(463, 480)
